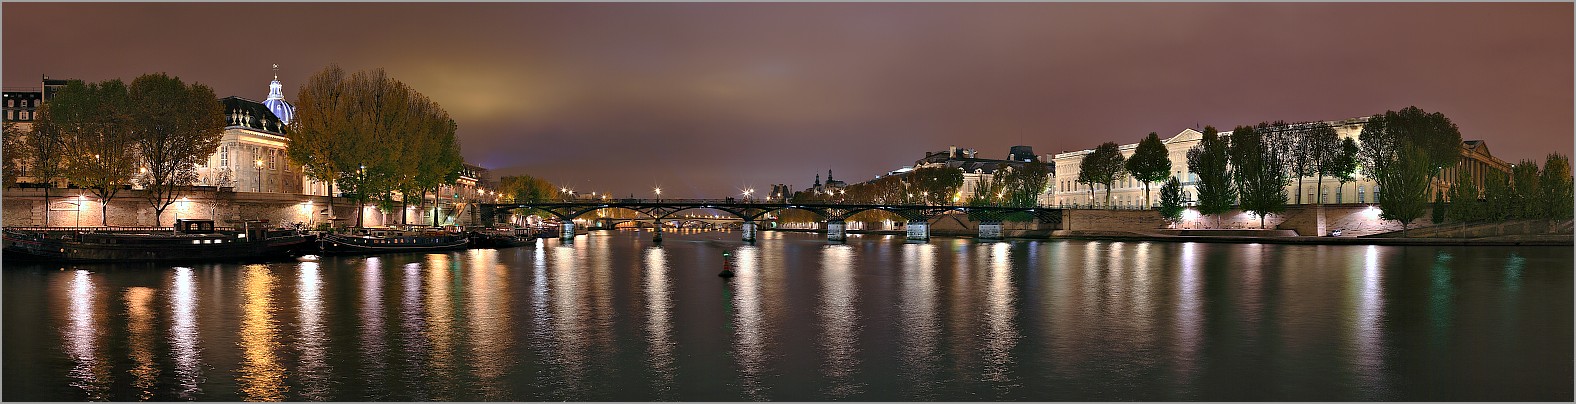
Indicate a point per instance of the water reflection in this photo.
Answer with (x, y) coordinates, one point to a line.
(439, 319)
(413, 346)
(374, 349)
(749, 323)
(569, 328)
(922, 328)
(1001, 332)
(1189, 316)
(659, 322)
(261, 376)
(139, 324)
(183, 333)
(89, 371)
(489, 333)
(840, 322)
(1367, 355)
(312, 337)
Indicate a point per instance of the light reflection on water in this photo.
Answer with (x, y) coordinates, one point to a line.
(183, 334)
(261, 376)
(839, 322)
(89, 371)
(144, 372)
(312, 337)
(614, 317)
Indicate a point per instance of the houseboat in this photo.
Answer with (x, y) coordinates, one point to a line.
(188, 240)
(390, 240)
(501, 238)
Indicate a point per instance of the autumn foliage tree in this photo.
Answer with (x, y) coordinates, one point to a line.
(93, 123)
(366, 132)
(174, 126)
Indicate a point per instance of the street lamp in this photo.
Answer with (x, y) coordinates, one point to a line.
(259, 164)
(659, 194)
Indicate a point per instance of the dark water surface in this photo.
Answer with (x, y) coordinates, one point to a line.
(612, 317)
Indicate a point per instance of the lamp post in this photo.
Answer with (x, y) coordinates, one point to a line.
(259, 164)
(659, 194)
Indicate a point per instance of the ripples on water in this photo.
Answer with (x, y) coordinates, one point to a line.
(615, 317)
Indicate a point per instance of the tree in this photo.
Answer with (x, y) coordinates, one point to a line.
(438, 161)
(1323, 147)
(174, 126)
(1404, 180)
(1023, 183)
(1438, 215)
(352, 131)
(1438, 140)
(1260, 172)
(1150, 163)
(1209, 161)
(1103, 166)
(1464, 205)
(1497, 195)
(322, 123)
(1171, 201)
(1557, 195)
(93, 123)
(934, 185)
(526, 189)
(13, 153)
(1524, 181)
(38, 154)
(1404, 150)
(1341, 164)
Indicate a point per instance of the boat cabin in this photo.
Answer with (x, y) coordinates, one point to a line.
(194, 226)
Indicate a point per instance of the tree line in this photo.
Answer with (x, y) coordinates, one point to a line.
(375, 138)
(1404, 152)
(365, 132)
(108, 135)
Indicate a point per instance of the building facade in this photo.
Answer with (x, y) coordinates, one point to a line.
(978, 170)
(1129, 193)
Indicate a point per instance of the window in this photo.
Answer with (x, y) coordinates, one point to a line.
(1376, 193)
(273, 159)
(1338, 194)
(10, 103)
(1360, 195)
(224, 156)
(10, 115)
(25, 116)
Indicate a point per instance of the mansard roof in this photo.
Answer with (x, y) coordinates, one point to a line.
(245, 113)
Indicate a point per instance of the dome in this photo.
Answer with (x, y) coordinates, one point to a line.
(276, 102)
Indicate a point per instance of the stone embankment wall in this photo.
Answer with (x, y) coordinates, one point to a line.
(1307, 220)
(25, 207)
(1488, 229)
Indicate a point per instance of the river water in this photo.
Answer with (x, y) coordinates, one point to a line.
(613, 317)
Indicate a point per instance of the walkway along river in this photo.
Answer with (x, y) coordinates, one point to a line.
(613, 316)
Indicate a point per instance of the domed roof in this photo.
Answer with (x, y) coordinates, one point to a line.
(276, 100)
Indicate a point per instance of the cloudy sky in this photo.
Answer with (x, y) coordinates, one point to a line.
(705, 99)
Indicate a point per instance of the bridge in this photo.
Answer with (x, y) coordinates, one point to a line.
(832, 214)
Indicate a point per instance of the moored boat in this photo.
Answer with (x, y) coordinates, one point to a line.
(501, 238)
(188, 240)
(376, 241)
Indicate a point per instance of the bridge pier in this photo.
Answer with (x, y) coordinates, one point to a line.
(656, 236)
(836, 230)
(919, 230)
(990, 230)
(748, 228)
(567, 232)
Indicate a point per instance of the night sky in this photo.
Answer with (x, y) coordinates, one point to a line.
(705, 99)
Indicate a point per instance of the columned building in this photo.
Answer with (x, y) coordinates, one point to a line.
(1129, 193)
